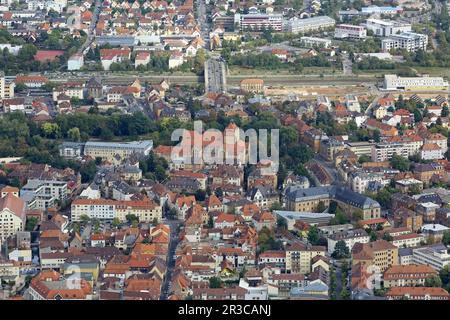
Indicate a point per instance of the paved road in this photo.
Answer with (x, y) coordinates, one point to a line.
(91, 31)
(165, 287)
(215, 76)
(203, 22)
(347, 65)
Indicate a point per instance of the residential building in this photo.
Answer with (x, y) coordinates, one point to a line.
(379, 253)
(42, 194)
(315, 42)
(436, 256)
(299, 256)
(350, 237)
(408, 41)
(417, 293)
(104, 209)
(12, 214)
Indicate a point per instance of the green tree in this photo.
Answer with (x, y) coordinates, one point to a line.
(433, 281)
(74, 134)
(313, 235)
(31, 223)
(116, 223)
(341, 250)
(446, 238)
(399, 163)
(215, 282)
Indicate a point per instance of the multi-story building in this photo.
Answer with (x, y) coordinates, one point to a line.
(386, 28)
(385, 151)
(315, 42)
(259, 21)
(350, 237)
(360, 148)
(380, 253)
(252, 85)
(50, 285)
(408, 41)
(110, 150)
(417, 293)
(6, 88)
(12, 213)
(394, 82)
(343, 31)
(407, 275)
(307, 200)
(299, 256)
(297, 25)
(409, 240)
(436, 256)
(42, 194)
(105, 209)
(360, 180)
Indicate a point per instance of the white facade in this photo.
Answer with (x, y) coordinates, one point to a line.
(409, 41)
(315, 42)
(436, 256)
(350, 237)
(297, 25)
(344, 31)
(386, 28)
(394, 82)
(385, 151)
(434, 154)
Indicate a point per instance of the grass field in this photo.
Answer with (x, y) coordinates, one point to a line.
(434, 71)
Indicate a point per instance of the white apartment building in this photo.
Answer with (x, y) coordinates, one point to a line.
(385, 151)
(410, 240)
(394, 82)
(315, 42)
(359, 181)
(431, 151)
(12, 214)
(105, 209)
(297, 25)
(436, 256)
(259, 21)
(386, 28)
(350, 237)
(42, 194)
(6, 88)
(344, 31)
(409, 41)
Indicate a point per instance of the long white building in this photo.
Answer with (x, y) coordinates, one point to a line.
(394, 82)
(297, 25)
(409, 41)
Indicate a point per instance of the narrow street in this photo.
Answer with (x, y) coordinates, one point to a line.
(165, 287)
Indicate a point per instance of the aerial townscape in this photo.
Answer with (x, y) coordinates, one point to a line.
(102, 199)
